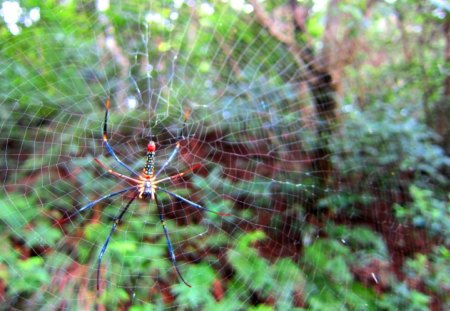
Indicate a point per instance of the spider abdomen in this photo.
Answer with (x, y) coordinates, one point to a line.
(150, 162)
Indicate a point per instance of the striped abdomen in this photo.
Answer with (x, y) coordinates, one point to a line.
(150, 163)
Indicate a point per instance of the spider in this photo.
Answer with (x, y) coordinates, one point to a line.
(144, 186)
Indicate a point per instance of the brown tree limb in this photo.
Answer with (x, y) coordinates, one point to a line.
(318, 78)
(442, 110)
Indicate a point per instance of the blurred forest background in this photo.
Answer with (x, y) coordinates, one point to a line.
(322, 126)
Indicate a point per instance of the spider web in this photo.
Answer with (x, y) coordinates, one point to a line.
(262, 114)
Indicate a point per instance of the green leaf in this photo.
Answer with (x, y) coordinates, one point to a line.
(17, 210)
(249, 265)
(29, 275)
(201, 278)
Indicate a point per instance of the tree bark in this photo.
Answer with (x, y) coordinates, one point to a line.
(316, 75)
(442, 108)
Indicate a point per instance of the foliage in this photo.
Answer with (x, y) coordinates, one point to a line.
(432, 270)
(330, 261)
(384, 143)
(426, 212)
(404, 297)
(295, 239)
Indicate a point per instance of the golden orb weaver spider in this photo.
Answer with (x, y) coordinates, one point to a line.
(145, 185)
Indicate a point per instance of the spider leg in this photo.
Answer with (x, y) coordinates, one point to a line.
(192, 168)
(91, 204)
(197, 206)
(117, 220)
(181, 136)
(115, 173)
(169, 244)
(108, 146)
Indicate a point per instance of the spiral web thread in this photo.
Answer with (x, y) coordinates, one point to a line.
(252, 127)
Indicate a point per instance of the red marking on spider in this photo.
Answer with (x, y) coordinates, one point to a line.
(151, 147)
